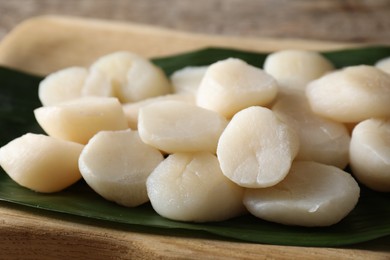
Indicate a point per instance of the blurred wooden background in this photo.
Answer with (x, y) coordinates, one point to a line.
(366, 21)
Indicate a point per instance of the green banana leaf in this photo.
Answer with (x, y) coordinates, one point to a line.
(18, 97)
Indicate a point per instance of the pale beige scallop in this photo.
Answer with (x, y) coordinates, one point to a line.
(41, 163)
(383, 64)
(321, 139)
(116, 165)
(370, 153)
(312, 194)
(63, 85)
(187, 80)
(133, 77)
(351, 95)
(231, 85)
(256, 149)
(175, 126)
(191, 187)
(131, 110)
(80, 119)
(114, 67)
(97, 84)
(293, 69)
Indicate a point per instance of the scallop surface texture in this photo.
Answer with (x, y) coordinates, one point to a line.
(370, 153)
(293, 69)
(384, 64)
(174, 126)
(133, 77)
(41, 163)
(256, 149)
(97, 84)
(63, 85)
(80, 119)
(131, 110)
(231, 85)
(321, 139)
(312, 194)
(191, 187)
(116, 165)
(187, 80)
(352, 94)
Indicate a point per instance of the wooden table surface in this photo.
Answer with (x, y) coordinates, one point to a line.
(344, 21)
(335, 20)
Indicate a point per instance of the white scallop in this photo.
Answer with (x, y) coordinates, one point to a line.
(132, 77)
(175, 126)
(63, 85)
(191, 187)
(256, 149)
(41, 163)
(131, 110)
(231, 85)
(352, 94)
(80, 119)
(312, 194)
(370, 153)
(293, 69)
(116, 165)
(384, 64)
(187, 80)
(321, 139)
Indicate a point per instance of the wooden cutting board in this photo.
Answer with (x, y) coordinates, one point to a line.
(44, 44)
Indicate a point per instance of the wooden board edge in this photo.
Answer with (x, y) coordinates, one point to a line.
(56, 234)
(43, 44)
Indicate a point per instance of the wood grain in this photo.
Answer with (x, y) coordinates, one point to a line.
(27, 233)
(45, 44)
(336, 20)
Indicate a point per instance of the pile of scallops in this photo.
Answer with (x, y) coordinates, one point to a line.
(215, 142)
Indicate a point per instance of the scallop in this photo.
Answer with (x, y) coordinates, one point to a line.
(187, 80)
(80, 119)
(191, 187)
(370, 153)
(384, 64)
(131, 110)
(294, 69)
(312, 194)
(321, 139)
(116, 165)
(256, 149)
(41, 163)
(133, 77)
(352, 94)
(175, 126)
(231, 85)
(61, 86)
